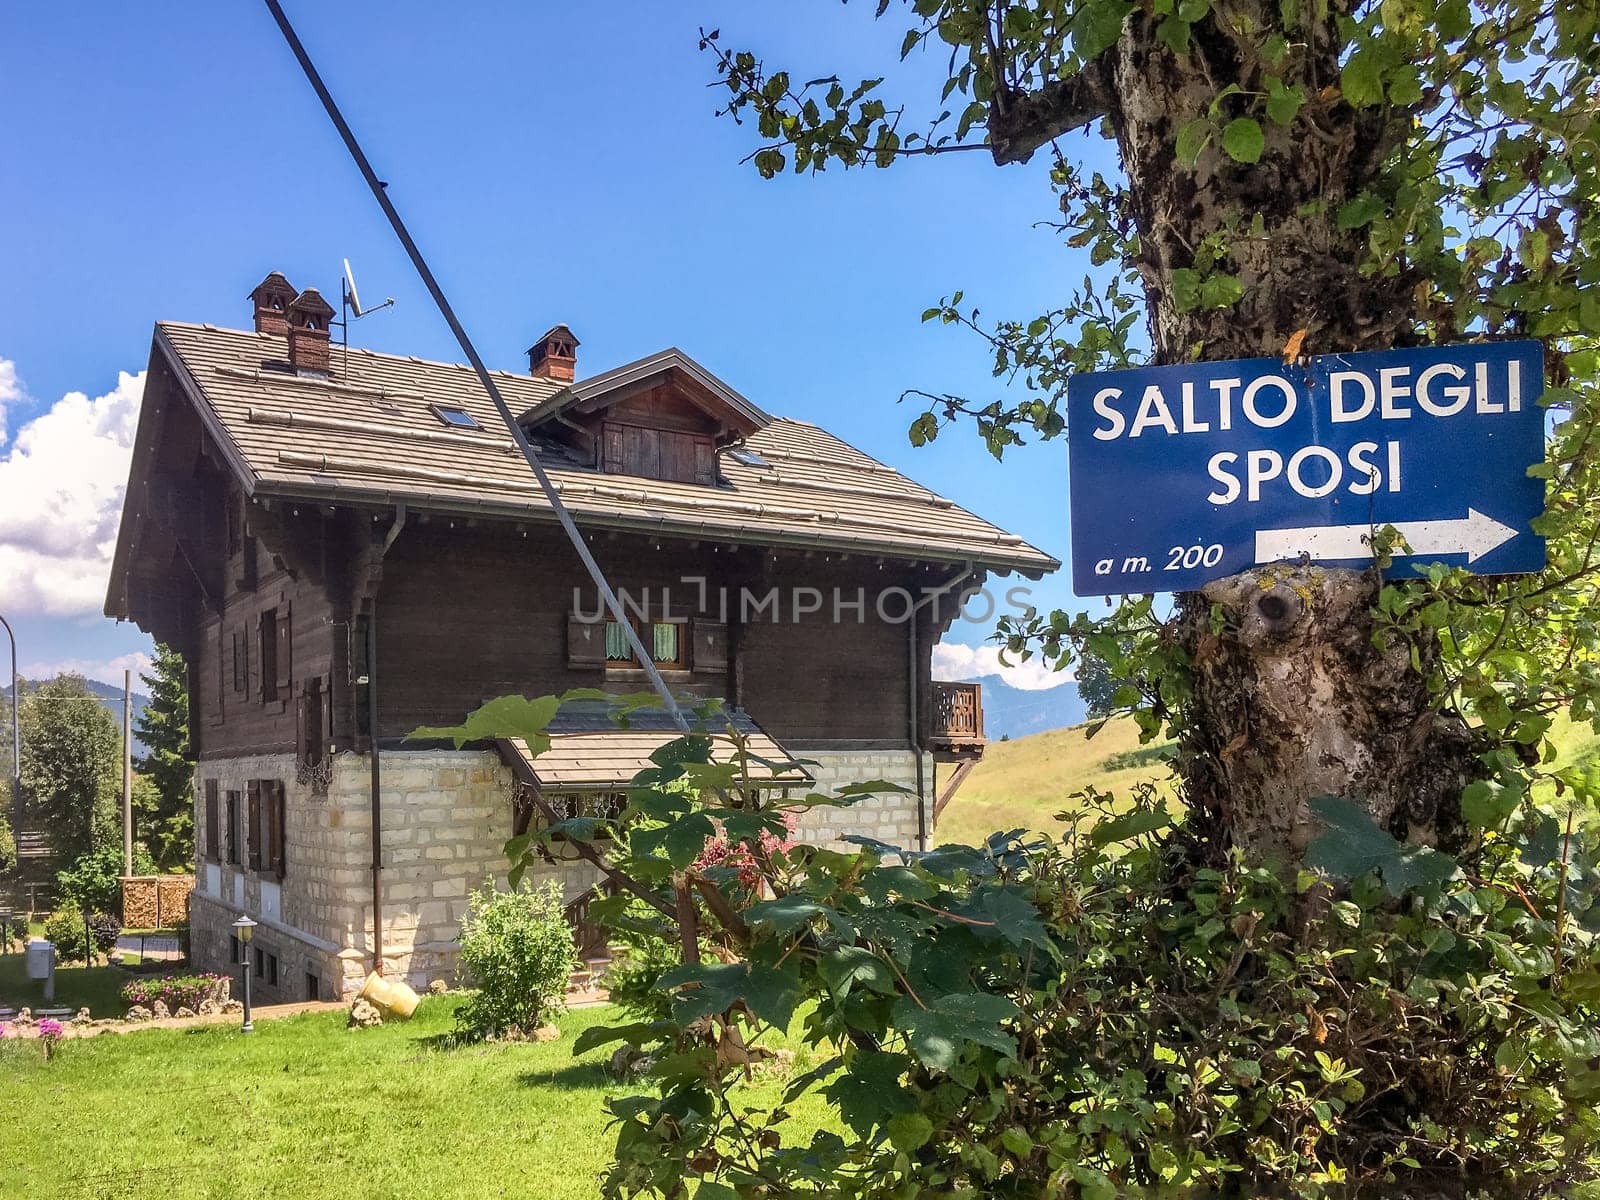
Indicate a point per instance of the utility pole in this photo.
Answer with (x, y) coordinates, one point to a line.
(127, 772)
(16, 735)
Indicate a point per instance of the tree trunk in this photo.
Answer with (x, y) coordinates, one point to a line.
(1291, 698)
(1292, 701)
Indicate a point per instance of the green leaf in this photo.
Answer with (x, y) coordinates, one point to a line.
(1015, 1139)
(1185, 288)
(710, 1189)
(1361, 77)
(1352, 845)
(502, 717)
(1243, 140)
(1220, 291)
(771, 993)
(786, 914)
(850, 967)
(1363, 210)
(1011, 915)
(1129, 825)
(686, 837)
(603, 1035)
(869, 1093)
(1283, 102)
(909, 1131)
(1174, 31)
(1486, 804)
(939, 1033)
(1192, 138)
(1097, 26)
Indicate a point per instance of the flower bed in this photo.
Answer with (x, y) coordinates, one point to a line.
(177, 991)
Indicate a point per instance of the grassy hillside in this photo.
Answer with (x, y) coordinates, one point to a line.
(1026, 781)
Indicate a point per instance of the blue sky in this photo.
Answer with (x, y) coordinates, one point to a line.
(556, 162)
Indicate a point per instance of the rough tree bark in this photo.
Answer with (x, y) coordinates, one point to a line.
(1291, 698)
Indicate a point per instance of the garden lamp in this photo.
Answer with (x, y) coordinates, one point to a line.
(242, 929)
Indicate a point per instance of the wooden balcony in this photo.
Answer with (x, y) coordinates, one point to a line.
(957, 718)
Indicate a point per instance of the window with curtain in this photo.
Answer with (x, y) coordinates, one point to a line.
(664, 640)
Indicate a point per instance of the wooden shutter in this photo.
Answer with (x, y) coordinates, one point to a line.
(253, 823)
(234, 857)
(217, 710)
(266, 652)
(641, 452)
(213, 842)
(611, 459)
(278, 810)
(705, 468)
(285, 651)
(710, 652)
(586, 642)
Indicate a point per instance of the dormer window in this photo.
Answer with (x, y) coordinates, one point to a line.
(455, 417)
(682, 457)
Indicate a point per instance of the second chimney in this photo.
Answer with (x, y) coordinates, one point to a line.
(271, 299)
(554, 356)
(309, 315)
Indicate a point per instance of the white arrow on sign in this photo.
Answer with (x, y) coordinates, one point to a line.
(1473, 535)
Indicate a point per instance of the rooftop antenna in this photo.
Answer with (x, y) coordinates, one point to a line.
(350, 304)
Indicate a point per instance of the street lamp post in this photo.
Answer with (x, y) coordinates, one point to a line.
(242, 929)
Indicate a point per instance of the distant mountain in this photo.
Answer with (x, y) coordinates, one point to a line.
(1013, 712)
(109, 696)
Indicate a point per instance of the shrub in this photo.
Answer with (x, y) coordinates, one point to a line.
(95, 880)
(517, 950)
(1098, 1016)
(65, 928)
(631, 981)
(176, 991)
(105, 930)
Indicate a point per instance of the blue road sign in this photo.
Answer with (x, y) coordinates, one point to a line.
(1185, 474)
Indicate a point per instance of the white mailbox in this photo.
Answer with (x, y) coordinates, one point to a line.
(41, 957)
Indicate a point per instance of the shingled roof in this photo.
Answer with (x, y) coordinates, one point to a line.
(369, 434)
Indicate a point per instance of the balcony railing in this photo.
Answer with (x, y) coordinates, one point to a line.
(957, 718)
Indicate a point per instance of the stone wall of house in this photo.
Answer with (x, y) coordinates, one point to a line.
(888, 816)
(446, 818)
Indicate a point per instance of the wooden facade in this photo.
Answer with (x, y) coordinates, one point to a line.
(268, 603)
(273, 596)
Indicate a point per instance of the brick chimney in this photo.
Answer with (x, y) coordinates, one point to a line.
(271, 299)
(554, 356)
(309, 314)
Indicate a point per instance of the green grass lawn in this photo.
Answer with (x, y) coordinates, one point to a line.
(96, 988)
(305, 1108)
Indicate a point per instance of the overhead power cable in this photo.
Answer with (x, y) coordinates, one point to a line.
(568, 525)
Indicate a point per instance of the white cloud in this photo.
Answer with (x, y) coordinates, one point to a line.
(952, 660)
(10, 392)
(61, 488)
(105, 670)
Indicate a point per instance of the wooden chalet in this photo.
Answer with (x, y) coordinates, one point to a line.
(347, 545)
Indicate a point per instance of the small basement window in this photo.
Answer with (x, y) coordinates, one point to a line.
(454, 416)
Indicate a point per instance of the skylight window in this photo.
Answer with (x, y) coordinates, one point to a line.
(748, 457)
(456, 418)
